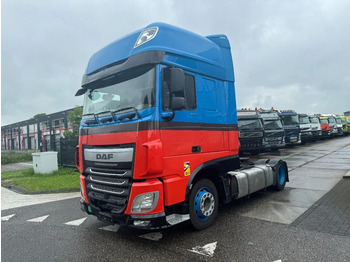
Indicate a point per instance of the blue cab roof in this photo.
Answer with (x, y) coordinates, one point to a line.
(209, 55)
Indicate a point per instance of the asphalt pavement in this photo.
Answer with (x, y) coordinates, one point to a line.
(267, 226)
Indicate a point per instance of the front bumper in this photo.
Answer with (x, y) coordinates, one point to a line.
(151, 222)
(305, 136)
(275, 144)
(325, 133)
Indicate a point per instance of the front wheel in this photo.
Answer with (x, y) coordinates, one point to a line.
(204, 204)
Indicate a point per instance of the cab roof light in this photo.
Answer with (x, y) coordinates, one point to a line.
(146, 35)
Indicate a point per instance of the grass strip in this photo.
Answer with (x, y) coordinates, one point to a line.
(16, 157)
(63, 179)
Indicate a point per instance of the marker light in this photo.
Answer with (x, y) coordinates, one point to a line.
(146, 35)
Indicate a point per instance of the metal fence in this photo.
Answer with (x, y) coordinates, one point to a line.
(66, 151)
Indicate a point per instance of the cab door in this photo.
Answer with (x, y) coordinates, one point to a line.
(181, 132)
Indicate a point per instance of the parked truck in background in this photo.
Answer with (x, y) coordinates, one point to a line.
(325, 126)
(315, 127)
(305, 127)
(291, 126)
(251, 131)
(274, 132)
(344, 124)
(158, 141)
(347, 117)
(339, 122)
(333, 127)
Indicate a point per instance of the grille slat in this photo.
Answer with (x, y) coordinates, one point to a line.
(108, 181)
(108, 172)
(108, 190)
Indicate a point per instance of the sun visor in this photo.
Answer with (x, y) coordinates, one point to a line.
(145, 58)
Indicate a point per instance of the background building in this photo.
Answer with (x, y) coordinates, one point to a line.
(40, 133)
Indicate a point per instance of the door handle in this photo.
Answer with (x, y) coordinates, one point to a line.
(196, 149)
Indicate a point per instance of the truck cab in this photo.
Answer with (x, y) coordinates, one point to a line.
(305, 126)
(344, 124)
(326, 132)
(339, 122)
(315, 127)
(291, 126)
(333, 126)
(158, 141)
(251, 131)
(274, 132)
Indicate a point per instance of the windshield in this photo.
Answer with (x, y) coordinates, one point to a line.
(338, 121)
(348, 120)
(138, 92)
(304, 120)
(331, 120)
(314, 120)
(249, 124)
(290, 120)
(272, 124)
(324, 121)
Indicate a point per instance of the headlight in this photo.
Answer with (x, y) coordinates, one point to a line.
(145, 203)
(146, 35)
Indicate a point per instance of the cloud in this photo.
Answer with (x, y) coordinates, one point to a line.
(293, 54)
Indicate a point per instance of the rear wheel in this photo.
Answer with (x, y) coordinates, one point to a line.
(204, 204)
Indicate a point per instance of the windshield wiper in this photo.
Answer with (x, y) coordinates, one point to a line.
(127, 108)
(106, 119)
(91, 121)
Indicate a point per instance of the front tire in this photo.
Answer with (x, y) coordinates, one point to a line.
(204, 204)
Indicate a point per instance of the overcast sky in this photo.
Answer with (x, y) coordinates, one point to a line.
(287, 54)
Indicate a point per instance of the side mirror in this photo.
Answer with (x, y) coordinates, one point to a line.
(177, 80)
(178, 103)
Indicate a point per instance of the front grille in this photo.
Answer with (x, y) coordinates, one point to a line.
(315, 133)
(274, 138)
(108, 188)
(108, 184)
(292, 133)
(250, 134)
(274, 134)
(245, 143)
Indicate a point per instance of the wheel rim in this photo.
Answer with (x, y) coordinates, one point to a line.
(281, 174)
(204, 204)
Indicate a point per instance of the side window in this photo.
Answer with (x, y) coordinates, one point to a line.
(189, 92)
(210, 95)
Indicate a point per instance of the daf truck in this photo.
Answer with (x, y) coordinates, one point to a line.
(291, 126)
(159, 141)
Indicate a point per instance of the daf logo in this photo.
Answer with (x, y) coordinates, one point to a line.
(104, 156)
